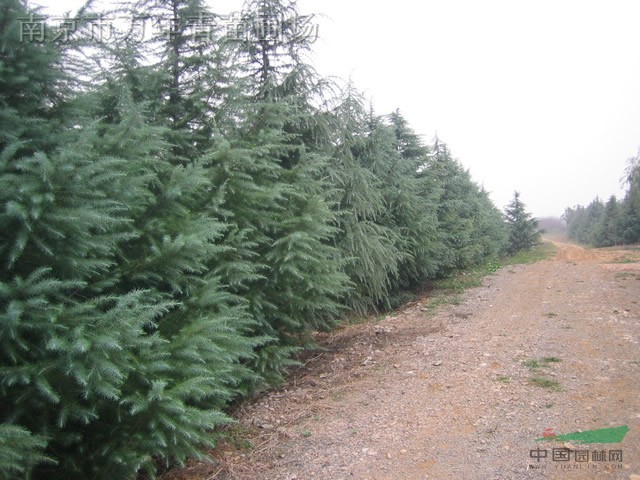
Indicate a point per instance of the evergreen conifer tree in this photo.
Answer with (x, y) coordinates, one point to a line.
(357, 171)
(412, 204)
(604, 232)
(523, 229)
(30, 80)
(458, 210)
(630, 215)
(269, 172)
(119, 345)
(490, 232)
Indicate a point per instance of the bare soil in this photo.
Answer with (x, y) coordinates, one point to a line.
(462, 392)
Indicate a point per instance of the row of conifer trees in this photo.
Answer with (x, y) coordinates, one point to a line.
(616, 222)
(178, 213)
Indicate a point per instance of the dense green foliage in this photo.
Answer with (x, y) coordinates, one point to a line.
(523, 229)
(616, 222)
(176, 219)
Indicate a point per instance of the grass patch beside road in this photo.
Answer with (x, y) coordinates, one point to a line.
(446, 291)
(542, 251)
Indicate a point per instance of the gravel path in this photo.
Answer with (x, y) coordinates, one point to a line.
(464, 393)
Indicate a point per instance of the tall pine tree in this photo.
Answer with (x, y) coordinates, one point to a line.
(119, 345)
(269, 172)
(356, 169)
(523, 229)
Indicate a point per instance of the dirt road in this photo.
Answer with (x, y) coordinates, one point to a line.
(548, 348)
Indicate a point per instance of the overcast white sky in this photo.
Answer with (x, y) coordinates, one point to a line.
(539, 96)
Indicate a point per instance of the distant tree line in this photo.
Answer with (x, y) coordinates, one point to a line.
(616, 222)
(177, 216)
(552, 225)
